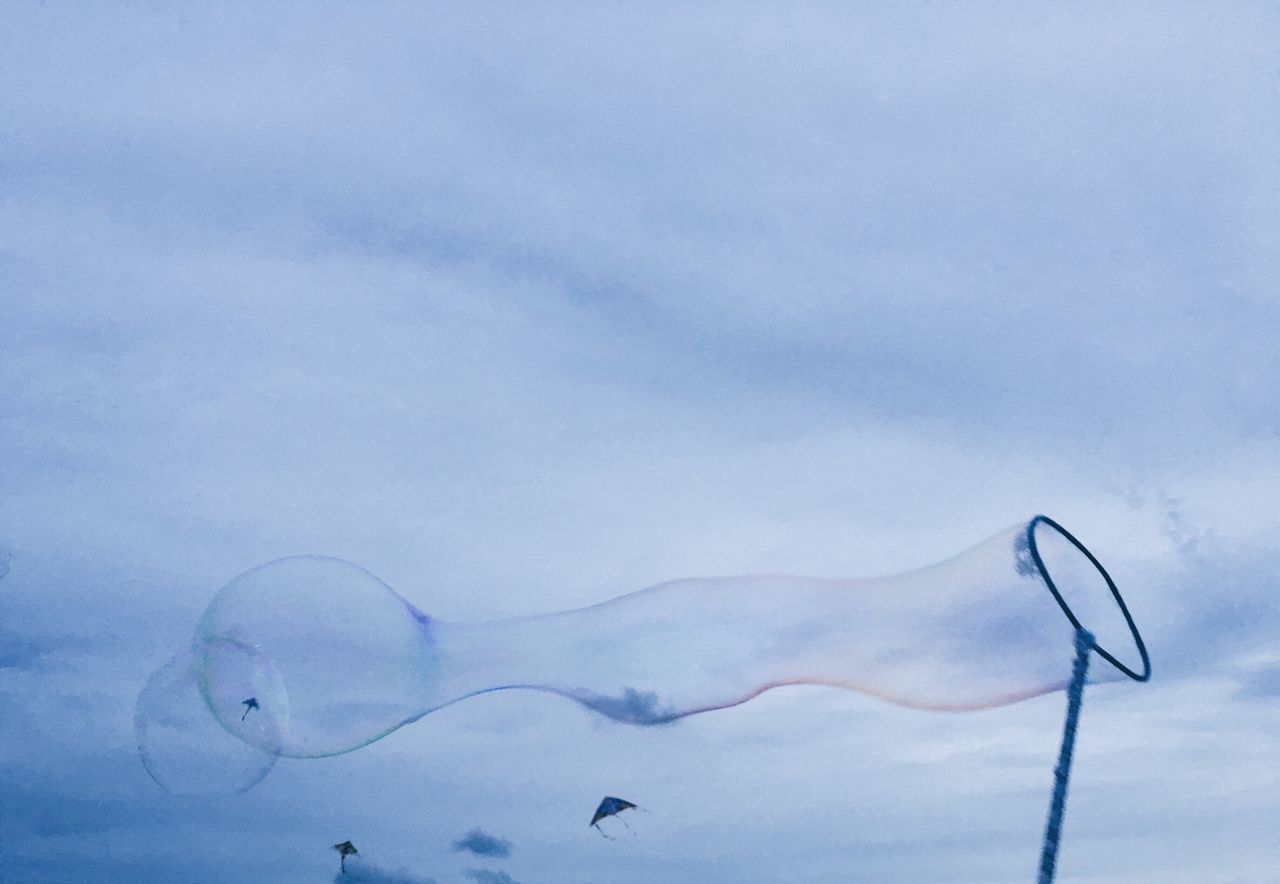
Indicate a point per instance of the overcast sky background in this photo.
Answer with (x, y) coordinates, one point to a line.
(523, 307)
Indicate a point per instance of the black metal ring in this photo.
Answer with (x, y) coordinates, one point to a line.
(1111, 584)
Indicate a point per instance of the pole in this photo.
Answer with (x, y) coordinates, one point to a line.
(1057, 806)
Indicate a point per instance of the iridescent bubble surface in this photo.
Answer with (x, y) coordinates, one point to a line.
(336, 659)
(184, 747)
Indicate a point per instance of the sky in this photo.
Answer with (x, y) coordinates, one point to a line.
(524, 307)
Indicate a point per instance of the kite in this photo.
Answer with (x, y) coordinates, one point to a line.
(345, 849)
(611, 807)
(251, 703)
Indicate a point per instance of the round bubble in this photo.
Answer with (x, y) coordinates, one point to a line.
(342, 654)
(244, 692)
(185, 748)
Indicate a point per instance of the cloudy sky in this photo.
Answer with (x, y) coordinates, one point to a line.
(522, 307)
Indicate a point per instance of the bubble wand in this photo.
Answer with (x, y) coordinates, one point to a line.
(1084, 644)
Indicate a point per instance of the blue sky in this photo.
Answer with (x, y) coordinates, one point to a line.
(522, 308)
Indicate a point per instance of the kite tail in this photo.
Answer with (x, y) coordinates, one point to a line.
(1057, 806)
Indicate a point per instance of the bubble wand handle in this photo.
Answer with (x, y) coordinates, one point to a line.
(1061, 773)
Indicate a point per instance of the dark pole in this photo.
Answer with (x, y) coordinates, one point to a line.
(1057, 806)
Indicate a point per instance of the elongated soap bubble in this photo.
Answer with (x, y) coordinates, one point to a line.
(336, 659)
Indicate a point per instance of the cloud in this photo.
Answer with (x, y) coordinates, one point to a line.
(488, 876)
(1219, 605)
(34, 652)
(631, 706)
(363, 872)
(1261, 684)
(17, 652)
(483, 844)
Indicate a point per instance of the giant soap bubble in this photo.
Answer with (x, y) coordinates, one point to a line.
(334, 659)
